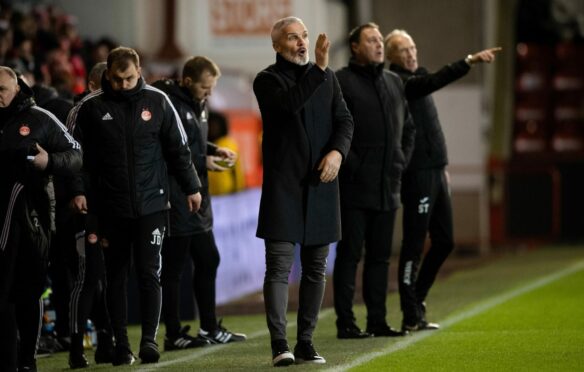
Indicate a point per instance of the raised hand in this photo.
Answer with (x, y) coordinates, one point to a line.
(321, 51)
(487, 55)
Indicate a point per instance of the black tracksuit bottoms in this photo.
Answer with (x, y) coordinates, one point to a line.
(141, 239)
(88, 269)
(201, 248)
(373, 231)
(23, 271)
(427, 208)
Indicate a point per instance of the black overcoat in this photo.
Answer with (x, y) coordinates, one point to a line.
(304, 117)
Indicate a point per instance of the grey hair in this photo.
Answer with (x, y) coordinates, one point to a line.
(388, 39)
(394, 33)
(96, 73)
(280, 24)
(10, 72)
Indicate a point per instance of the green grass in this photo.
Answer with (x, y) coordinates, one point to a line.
(506, 315)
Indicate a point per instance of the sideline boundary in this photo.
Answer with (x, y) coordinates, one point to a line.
(479, 308)
(215, 348)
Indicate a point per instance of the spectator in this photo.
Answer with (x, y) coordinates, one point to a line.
(233, 179)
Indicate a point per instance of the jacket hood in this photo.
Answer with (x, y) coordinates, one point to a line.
(44, 93)
(121, 95)
(176, 91)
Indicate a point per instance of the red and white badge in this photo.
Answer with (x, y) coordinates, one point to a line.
(146, 115)
(92, 238)
(24, 130)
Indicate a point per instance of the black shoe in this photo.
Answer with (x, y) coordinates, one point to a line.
(281, 355)
(304, 353)
(149, 352)
(422, 325)
(184, 341)
(221, 335)
(104, 353)
(383, 330)
(28, 367)
(77, 360)
(351, 331)
(123, 356)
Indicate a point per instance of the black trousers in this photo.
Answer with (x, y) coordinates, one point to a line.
(374, 231)
(23, 270)
(59, 269)
(140, 239)
(427, 209)
(88, 268)
(201, 248)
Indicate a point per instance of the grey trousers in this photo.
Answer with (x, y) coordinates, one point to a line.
(279, 259)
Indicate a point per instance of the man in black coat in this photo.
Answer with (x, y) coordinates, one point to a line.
(426, 191)
(132, 139)
(191, 235)
(370, 181)
(307, 134)
(34, 145)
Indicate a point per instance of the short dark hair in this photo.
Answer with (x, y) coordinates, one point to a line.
(122, 57)
(355, 34)
(195, 66)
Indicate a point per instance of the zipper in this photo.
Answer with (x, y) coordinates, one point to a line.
(129, 128)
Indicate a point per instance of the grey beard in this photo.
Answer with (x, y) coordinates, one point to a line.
(297, 60)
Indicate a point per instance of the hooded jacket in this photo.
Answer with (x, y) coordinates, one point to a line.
(132, 140)
(23, 125)
(194, 118)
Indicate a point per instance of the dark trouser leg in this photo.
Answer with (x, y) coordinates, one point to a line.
(312, 284)
(349, 251)
(441, 236)
(29, 316)
(279, 259)
(378, 242)
(206, 261)
(31, 274)
(89, 274)
(116, 250)
(418, 200)
(174, 256)
(147, 246)
(59, 271)
(7, 337)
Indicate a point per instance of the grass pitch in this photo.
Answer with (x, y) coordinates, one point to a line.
(520, 312)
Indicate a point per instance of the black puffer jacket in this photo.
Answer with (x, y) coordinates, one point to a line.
(129, 139)
(22, 125)
(383, 139)
(194, 118)
(430, 150)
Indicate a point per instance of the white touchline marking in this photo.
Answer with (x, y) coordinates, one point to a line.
(214, 348)
(476, 310)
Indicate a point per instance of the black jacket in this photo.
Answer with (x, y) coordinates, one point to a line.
(131, 141)
(194, 118)
(304, 117)
(22, 125)
(383, 139)
(430, 150)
